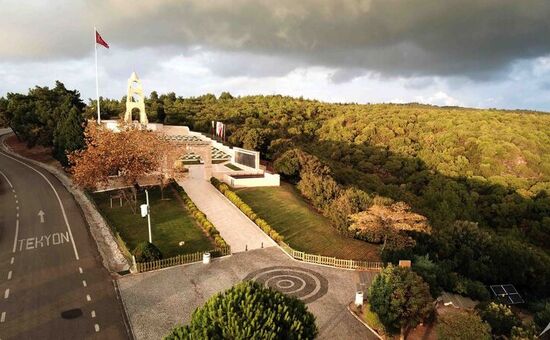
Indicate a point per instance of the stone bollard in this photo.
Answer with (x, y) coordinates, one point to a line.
(206, 258)
(359, 298)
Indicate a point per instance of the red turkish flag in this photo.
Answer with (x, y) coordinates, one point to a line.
(99, 40)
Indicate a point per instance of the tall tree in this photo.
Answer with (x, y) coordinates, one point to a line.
(68, 135)
(400, 298)
(118, 159)
(382, 223)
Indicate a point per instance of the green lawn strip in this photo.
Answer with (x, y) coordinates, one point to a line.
(304, 228)
(170, 223)
(372, 320)
(232, 166)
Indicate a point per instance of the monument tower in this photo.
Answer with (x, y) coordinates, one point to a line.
(135, 100)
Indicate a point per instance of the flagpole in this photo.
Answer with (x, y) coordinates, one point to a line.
(96, 78)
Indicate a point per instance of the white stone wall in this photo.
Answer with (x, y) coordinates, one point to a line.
(269, 180)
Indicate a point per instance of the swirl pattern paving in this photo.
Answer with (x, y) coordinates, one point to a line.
(302, 283)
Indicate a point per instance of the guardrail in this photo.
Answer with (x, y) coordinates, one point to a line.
(180, 259)
(331, 261)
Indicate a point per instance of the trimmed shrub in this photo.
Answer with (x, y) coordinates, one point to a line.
(146, 252)
(201, 218)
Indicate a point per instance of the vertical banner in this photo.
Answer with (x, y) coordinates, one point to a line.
(213, 129)
(220, 130)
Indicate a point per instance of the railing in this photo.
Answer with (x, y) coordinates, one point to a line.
(331, 261)
(180, 259)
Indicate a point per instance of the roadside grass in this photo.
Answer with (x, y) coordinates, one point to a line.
(372, 319)
(304, 228)
(170, 223)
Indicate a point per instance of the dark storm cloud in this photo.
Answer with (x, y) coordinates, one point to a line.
(475, 38)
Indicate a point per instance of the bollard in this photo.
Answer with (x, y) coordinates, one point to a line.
(262, 245)
(359, 298)
(206, 258)
(134, 268)
(246, 247)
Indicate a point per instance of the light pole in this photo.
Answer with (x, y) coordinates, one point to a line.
(146, 211)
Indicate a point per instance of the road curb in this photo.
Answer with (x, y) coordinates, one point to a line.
(364, 323)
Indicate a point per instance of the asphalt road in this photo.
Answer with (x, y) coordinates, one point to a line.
(50, 264)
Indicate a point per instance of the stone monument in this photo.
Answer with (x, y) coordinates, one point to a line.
(135, 100)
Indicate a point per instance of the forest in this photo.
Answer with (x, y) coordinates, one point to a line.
(480, 177)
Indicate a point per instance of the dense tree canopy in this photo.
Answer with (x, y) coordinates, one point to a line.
(400, 298)
(249, 311)
(462, 325)
(49, 117)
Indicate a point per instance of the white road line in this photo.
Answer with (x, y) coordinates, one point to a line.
(17, 215)
(9, 275)
(80, 270)
(84, 283)
(16, 201)
(17, 207)
(14, 195)
(3, 317)
(16, 235)
(93, 314)
(88, 298)
(7, 293)
(6, 177)
(12, 259)
(96, 326)
(58, 200)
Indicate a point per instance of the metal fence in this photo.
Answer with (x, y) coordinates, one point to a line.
(180, 259)
(331, 261)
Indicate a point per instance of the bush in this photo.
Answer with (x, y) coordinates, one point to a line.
(249, 311)
(542, 317)
(201, 218)
(500, 317)
(462, 325)
(146, 252)
(473, 289)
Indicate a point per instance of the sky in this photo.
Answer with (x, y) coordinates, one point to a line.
(474, 53)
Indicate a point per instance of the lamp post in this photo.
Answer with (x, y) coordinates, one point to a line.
(146, 211)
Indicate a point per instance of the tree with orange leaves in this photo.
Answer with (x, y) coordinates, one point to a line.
(119, 159)
(386, 224)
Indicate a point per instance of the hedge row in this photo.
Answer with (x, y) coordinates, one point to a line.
(246, 209)
(201, 218)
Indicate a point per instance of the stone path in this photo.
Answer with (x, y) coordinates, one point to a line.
(157, 301)
(237, 230)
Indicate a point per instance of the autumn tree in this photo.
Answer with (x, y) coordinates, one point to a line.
(118, 159)
(387, 224)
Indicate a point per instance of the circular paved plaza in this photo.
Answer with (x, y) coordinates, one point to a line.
(302, 283)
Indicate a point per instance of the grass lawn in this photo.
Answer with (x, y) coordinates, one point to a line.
(304, 228)
(170, 223)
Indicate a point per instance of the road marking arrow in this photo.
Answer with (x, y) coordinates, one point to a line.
(41, 214)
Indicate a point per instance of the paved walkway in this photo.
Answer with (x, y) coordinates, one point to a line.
(237, 229)
(157, 301)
